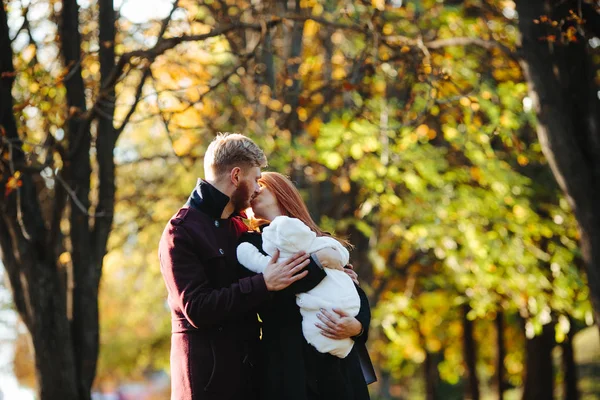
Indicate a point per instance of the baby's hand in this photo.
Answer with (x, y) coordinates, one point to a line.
(330, 258)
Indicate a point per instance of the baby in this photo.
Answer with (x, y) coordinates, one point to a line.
(336, 290)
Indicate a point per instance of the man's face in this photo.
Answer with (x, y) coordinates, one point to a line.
(247, 189)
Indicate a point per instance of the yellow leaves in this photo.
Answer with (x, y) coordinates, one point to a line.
(314, 127)
(264, 99)
(14, 182)
(427, 68)
(64, 258)
(522, 160)
(317, 10)
(388, 29)
(275, 105)
(311, 28)
(356, 151)
(378, 4)
(344, 183)
(34, 87)
(94, 68)
(183, 145)
(380, 86)
(475, 173)
(338, 73)
(302, 114)
(24, 365)
(337, 38)
(450, 133)
(422, 130)
(28, 53)
(520, 212)
(332, 160)
(318, 99)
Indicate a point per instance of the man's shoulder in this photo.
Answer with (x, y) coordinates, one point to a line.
(187, 216)
(187, 221)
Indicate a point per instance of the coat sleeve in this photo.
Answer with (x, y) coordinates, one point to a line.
(190, 289)
(313, 278)
(315, 275)
(363, 316)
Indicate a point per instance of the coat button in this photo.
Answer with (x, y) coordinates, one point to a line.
(217, 224)
(221, 251)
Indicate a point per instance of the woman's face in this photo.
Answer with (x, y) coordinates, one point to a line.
(264, 204)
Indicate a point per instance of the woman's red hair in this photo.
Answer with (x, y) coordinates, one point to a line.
(291, 203)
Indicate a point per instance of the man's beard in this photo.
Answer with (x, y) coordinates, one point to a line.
(241, 197)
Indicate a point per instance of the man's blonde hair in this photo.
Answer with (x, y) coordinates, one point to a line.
(229, 150)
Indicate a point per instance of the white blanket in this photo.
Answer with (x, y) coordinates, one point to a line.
(336, 290)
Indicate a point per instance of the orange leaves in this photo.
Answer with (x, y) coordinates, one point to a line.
(13, 183)
(565, 30)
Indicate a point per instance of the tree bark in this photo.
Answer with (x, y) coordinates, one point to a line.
(539, 373)
(66, 349)
(569, 368)
(431, 375)
(562, 86)
(470, 355)
(84, 322)
(500, 353)
(28, 259)
(292, 94)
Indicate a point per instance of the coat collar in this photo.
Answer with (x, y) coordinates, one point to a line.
(207, 199)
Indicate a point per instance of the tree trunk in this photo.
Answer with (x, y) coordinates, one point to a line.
(562, 86)
(430, 369)
(539, 374)
(569, 368)
(30, 263)
(65, 342)
(292, 94)
(470, 355)
(500, 353)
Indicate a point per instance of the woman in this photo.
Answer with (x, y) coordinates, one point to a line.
(294, 370)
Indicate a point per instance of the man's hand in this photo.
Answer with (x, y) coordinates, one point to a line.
(279, 275)
(330, 258)
(338, 324)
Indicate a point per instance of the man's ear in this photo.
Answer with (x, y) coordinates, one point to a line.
(236, 176)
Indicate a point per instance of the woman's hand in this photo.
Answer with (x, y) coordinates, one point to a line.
(338, 324)
(349, 269)
(330, 258)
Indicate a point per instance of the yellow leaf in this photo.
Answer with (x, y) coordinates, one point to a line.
(302, 114)
(378, 4)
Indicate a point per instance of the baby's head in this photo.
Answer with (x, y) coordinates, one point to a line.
(289, 235)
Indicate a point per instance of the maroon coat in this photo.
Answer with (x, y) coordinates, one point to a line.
(215, 335)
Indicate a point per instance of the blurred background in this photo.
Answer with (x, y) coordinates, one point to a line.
(431, 134)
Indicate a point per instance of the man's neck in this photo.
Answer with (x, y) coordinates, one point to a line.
(229, 209)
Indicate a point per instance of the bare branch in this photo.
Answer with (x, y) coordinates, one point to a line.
(466, 41)
(77, 202)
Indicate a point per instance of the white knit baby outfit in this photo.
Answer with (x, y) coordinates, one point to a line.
(336, 290)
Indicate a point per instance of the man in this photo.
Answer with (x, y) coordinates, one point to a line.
(213, 302)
